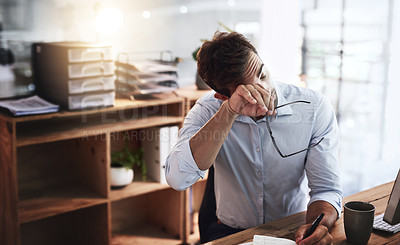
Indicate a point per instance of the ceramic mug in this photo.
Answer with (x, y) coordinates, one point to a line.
(358, 221)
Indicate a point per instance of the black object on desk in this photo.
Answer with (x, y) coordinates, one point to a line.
(314, 226)
(74, 75)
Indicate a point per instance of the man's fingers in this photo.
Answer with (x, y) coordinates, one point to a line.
(272, 104)
(320, 236)
(269, 98)
(260, 101)
(255, 92)
(266, 95)
(328, 239)
(245, 93)
(301, 231)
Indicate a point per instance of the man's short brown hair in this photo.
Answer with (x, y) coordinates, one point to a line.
(222, 62)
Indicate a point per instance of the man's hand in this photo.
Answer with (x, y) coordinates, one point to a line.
(251, 100)
(319, 236)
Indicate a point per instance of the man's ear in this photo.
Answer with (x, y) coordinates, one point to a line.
(221, 96)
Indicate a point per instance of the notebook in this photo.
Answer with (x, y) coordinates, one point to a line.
(268, 240)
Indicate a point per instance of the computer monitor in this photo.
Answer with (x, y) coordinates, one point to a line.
(392, 212)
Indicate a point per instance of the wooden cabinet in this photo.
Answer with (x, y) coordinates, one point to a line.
(54, 177)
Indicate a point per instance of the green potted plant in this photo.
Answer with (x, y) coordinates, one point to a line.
(122, 163)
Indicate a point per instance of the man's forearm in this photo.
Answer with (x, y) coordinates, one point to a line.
(318, 207)
(207, 142)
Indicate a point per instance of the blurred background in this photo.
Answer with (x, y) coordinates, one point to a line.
(346, 49)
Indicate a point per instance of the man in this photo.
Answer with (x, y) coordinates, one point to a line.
(244, 133)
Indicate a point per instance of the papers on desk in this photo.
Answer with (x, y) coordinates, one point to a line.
(29, 106)
(269, 240)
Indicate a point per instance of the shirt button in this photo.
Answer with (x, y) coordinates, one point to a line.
(261, 215)
(258, 149)
(260, 195)
(259, 173)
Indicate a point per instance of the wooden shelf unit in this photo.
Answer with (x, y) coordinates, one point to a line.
(54, 177)
(82, 226)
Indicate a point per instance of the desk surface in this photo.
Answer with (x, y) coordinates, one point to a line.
(286, 227)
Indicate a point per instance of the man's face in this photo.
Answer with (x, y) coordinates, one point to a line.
(256, 73)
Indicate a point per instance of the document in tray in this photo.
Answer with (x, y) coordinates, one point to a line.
(269, 240)
(29, 106)
(148, 66)
(142, 89)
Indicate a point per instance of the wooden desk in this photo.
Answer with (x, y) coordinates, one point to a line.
(286, 227)
(191, 95)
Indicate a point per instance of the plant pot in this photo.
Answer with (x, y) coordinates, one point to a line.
(121, 176)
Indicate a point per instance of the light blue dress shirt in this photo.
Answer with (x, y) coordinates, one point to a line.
(253, 184)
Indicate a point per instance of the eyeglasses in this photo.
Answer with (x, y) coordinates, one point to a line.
(273, 138)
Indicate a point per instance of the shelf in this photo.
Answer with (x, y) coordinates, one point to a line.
(83, 226)
(146, 234)
(136, 188)
(54, 202)
(37, 133)
(161, 210)
(120, 104)
(57, 183)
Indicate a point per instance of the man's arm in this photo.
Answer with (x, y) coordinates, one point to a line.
(248, 100)
(201, 141)
(323, 177)
(207, 142)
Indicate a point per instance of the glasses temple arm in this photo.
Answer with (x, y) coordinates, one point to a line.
(293, 102)
(273, 140)
(308, 148)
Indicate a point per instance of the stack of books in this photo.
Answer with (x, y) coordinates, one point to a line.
(157, 144)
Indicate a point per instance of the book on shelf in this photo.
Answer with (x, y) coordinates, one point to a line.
(157, 144)
(29, 106)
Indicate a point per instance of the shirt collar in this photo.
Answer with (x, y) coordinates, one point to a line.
(286, 110)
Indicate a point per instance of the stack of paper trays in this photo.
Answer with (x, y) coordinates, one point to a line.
(145, 77)
(29, 106)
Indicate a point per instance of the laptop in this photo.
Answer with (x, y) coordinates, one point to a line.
(389, 221)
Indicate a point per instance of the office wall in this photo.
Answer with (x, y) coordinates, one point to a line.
(168, 28)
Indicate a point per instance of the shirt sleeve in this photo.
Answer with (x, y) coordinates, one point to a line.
(181, 170)
(322, 161)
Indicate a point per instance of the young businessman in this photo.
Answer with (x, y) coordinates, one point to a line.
(264, 150)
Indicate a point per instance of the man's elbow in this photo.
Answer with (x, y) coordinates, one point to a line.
(173, 179)
(175, 183)
(176, 187)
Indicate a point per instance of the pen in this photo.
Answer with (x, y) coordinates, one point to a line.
(314, 226)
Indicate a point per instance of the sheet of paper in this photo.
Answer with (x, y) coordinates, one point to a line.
(264, 240)
(29, 106)
(269, 240)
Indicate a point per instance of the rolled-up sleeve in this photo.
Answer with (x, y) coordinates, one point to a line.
(322, 165)
(181, 169)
